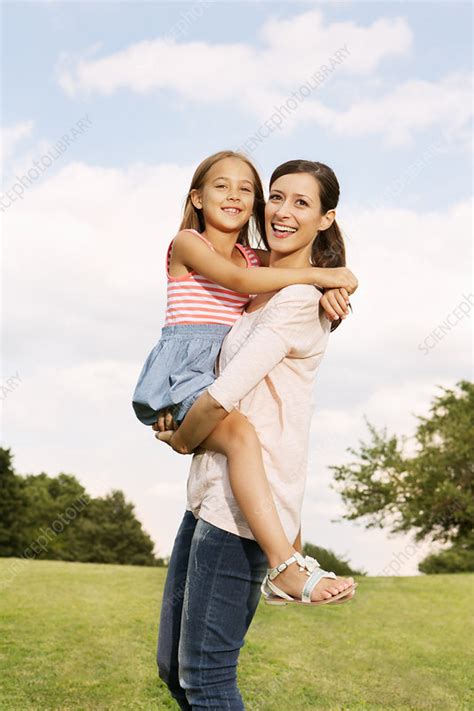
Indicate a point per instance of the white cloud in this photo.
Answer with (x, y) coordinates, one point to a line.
(414, 106)
(10, 136)
(84, 302)
(266, 81)
(199, 70)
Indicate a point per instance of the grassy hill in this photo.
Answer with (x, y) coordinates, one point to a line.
(83, 636)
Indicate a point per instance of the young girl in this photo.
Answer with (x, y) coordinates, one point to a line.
(209, 285)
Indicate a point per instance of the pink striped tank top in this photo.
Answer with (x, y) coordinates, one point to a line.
(194, 299)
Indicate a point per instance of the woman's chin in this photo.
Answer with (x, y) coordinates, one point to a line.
(281, 244)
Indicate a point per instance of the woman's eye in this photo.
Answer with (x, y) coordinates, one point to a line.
(303, 202)
(274, 197)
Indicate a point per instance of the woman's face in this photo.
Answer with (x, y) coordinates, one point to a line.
(293, 214)
(227, 196)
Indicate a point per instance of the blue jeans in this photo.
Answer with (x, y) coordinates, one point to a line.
(211, 594)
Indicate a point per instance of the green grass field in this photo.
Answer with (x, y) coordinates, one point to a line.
(83, 636)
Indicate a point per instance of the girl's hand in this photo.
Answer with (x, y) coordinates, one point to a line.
(164, 422)
(335, 303)
(337, 277)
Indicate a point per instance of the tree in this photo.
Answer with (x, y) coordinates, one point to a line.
(430, 492)
(53, 507)
(12, 507)
(108, 532)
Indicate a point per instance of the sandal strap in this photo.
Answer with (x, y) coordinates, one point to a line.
(313, 580)
(295, 558)
(311, 563)
(267, 586)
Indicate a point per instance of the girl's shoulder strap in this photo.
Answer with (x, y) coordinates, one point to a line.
(190, 229)
(250, 255)
(168, 255)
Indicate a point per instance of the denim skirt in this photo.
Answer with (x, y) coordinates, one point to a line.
(179, 368)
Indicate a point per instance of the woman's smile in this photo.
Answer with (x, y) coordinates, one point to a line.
(281, 231)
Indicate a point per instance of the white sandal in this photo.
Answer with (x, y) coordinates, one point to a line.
(274, 596)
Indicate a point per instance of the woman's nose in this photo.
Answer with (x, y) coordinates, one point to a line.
(283, 210)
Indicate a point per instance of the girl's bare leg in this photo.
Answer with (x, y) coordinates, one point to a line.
(236, 438)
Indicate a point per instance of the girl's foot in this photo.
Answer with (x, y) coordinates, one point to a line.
(292, 580)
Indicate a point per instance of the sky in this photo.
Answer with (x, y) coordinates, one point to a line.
(107, 109)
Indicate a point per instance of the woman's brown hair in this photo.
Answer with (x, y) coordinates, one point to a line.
(328, 248)
(193, 217)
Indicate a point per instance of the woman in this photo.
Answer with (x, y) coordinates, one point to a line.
(268, 363)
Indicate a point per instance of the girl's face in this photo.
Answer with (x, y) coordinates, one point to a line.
(293, 214)
(227, 196)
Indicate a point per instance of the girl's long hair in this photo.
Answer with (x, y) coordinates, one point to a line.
(194, 218)
(328, 248)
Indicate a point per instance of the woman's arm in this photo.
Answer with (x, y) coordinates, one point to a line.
(193, 253)
(287, 321)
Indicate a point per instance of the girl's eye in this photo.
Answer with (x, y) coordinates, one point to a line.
(220, 186)
(247, 190)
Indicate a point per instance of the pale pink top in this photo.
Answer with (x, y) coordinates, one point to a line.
(268, 364)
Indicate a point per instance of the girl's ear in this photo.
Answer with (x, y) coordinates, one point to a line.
(195, 196)
(327, 220)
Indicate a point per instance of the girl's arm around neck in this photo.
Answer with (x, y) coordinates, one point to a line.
(195, 254)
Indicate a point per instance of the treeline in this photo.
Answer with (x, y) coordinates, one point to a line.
(43, 517)
(426, 489)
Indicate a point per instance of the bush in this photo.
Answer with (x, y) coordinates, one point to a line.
(458, 559)
(329, 561)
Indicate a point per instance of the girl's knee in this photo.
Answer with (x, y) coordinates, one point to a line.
(241, 433)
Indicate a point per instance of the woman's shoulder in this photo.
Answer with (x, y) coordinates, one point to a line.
(303, 293)
(294, 312)
(294, 303)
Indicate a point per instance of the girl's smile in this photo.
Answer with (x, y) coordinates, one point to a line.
(227, 196)
(232, 210)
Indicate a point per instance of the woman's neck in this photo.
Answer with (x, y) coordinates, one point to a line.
(299, 259)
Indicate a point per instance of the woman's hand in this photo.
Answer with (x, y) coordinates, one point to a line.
(338, 277)
(335, 303)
